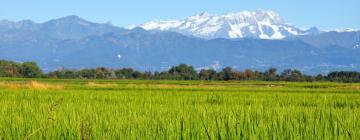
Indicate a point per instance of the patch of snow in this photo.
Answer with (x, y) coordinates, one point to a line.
(356, 46)
(343, 30)
(161, 25)
(290, 30)
(131, 27)
(260, 24)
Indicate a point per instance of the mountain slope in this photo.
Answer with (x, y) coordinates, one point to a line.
(348, 39)
(75, 43)
(257, 24)
(70, 27)
(157, 51)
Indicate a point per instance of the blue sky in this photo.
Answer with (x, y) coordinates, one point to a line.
(325, 14)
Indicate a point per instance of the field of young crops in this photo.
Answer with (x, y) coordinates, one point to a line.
(123, 109)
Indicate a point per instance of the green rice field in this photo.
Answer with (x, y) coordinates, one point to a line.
(140, 109)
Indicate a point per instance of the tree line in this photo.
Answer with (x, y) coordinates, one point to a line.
(179, 72)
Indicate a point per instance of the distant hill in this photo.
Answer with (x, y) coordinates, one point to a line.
(75, 43)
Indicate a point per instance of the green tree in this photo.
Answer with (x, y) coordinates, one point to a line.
(126, 73)
(183, 72)
(104, 73)
(30, 70)
(87, 74)
(9, 69)
(286, 75)
(249, 74)
(226, 74)
(271, 75)
(296, 75)
(209, 74)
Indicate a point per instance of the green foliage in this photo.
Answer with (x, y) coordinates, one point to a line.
(271, 75)
(209, 74)
(13, 69)
(136, 109)
(183, 72)
(30, 70)
(344, 76)
(180, 72)
(292, 75)
(9, 69)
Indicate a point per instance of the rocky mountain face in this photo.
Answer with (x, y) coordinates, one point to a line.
(258, 24)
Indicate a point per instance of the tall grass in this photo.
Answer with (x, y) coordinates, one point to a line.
(179, 110)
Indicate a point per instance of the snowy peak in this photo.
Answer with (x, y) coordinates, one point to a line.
(260, 24)
(253, 17)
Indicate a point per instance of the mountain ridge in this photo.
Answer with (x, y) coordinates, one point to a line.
(259, 24)
(75, 43)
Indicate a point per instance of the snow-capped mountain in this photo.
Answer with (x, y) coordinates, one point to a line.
(258, 24)
(76, 43)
